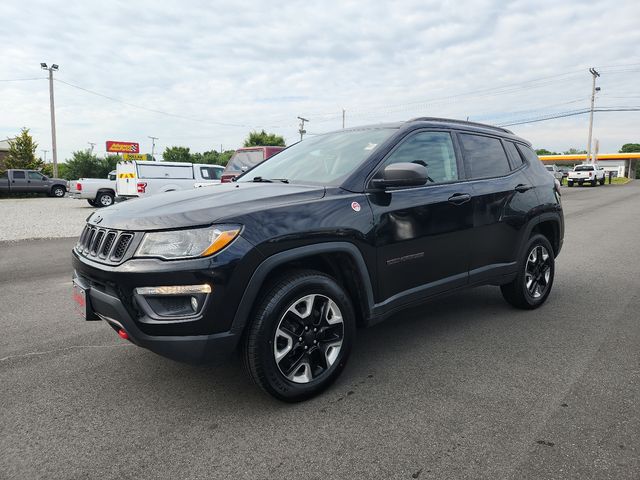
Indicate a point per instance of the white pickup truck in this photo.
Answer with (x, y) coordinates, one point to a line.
(586, 173)
(141, 179)
(98, 192)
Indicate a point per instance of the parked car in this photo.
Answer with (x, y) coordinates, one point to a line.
(555, 171)
(141, 179)
(340, 230)
(98, 192)
(245, 159)
(586, 173)
(31, 181)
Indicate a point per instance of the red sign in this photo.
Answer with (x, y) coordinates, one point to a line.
(123, 147)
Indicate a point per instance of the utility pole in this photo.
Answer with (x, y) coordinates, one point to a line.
(302, 130)
(594, 89)
(45, 155)
(153, 147)
(343, 114)
(52, 69)
(92, 145)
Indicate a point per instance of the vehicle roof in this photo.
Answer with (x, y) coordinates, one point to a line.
(447, 123)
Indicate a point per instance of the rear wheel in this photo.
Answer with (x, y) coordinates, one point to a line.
(602, 182)
(569, 184)
(104, 199)
(300, 337)
(532, 285)
(594, 182)
(91, 202)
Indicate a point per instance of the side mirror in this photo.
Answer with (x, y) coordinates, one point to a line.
(45, 178)
(403, 174)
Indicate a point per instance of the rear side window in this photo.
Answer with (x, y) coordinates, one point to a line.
(434, 150)
(18, 174)
(211, 173)
(529, 154)
(514, 155)
(484, 156)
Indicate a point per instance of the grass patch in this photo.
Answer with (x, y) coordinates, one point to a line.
(618, 181)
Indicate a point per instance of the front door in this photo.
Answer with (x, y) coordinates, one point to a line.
(420, 232)
(36, 183)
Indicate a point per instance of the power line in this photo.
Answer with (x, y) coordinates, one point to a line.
(22, 79)
(571, 113)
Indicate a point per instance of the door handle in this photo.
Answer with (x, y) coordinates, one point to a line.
(521, 188)
(459, 198)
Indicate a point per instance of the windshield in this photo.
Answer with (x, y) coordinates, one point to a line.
(323, 159)
(583, 168)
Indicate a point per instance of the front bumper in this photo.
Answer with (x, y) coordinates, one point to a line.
(208, 335)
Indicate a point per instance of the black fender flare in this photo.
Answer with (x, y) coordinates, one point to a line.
(537, 220)
(269, 264)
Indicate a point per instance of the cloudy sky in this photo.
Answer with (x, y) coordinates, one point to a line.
(202, 74)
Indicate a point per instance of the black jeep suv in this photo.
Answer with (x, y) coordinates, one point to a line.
(338, 231)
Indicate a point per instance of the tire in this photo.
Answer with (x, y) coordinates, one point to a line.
(91, 202)
(58, 191)
(519, 292)
(569, 184)
(603, 181)
(293, 369)
(594, 182)
(104, 199)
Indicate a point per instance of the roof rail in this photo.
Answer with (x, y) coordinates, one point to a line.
(464, 122)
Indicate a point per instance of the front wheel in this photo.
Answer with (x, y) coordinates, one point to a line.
(91, 202)
(602, 182)
(300, 337)
(532, 285)
(58, 191)
(594, 183)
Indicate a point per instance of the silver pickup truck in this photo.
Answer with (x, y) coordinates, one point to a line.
(98, 192)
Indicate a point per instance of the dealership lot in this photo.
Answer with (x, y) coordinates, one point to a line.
(464, 387)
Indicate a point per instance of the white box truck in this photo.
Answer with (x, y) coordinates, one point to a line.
(144, 178)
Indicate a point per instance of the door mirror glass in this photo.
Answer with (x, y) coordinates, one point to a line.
(402, 174)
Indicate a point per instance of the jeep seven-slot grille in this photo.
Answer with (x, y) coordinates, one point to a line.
(105, 244)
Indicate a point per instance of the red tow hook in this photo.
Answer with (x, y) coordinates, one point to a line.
(122, 334)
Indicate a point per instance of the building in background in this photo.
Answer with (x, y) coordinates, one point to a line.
(4, 151)
(621, 164)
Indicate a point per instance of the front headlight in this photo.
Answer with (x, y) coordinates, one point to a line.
(196, 242)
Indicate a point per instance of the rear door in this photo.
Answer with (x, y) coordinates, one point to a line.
(503, 196)
(18, 180)
(126, 182)
(420, 235)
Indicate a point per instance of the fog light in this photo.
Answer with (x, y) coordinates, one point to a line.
(194, 304)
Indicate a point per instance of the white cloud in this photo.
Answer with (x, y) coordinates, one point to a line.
(264, 64)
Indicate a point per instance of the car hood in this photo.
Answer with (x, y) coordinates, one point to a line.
(219, 203)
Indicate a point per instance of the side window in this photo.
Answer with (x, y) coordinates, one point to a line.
(529, 154)
(17, 175)
(4, 175)
(34, 176)
(484, 156)
(204, 171)
(514, 154)
(216, 173)
(434, 150)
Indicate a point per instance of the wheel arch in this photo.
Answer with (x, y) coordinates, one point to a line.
(340, 260)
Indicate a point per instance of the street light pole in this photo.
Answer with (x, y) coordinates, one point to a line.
(594, 74)
(302, 130)
(153, 147)
(52, 69)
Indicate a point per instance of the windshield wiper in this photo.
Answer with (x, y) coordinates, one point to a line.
(269, 180)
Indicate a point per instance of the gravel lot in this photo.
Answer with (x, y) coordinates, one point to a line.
(42, 217)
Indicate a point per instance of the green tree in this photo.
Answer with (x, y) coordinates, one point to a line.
(262, 138)
(630, 148)
(84, 164)
(544, 151)
(176, 154)
(22, 152)
(574, 151)
(212, 157)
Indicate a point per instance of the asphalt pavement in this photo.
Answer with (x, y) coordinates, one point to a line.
(463, 387)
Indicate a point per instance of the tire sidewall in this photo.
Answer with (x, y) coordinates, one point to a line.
(277, 305)
(537, 240)
(99, 203)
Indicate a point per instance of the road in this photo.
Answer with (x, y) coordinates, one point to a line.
(464, 387)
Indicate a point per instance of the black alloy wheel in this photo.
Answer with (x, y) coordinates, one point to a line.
(533, 283)
(300, 337)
